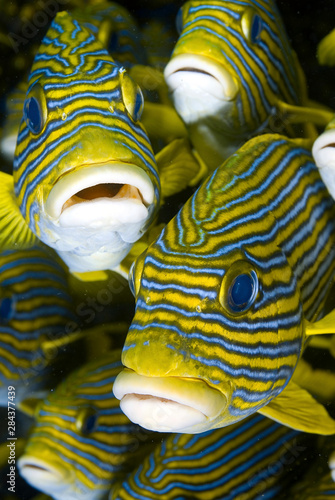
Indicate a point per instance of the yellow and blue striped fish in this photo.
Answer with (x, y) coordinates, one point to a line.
(227, 293)
(35, 306)
(85, 176)
(233, 74)
(253, 459)
(82, 443)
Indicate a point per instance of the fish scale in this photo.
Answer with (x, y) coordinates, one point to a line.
(244, 461)
(82, 436)
(233, 75)
(265, 212)
(81, 113)
(38, 308)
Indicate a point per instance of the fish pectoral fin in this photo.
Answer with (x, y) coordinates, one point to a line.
(303, 114)
(326, 50)
(28, 405)
(326, 325)
(162, 122)
(296, 408)
(319, 383)
(178, 167)
(14, 231)
(91, 276)
(150, 78)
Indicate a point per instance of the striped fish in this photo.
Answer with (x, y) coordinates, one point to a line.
(113, 25)
(85, 176)
(35, 306)
(227, 294)
(233, 75)
(82, 443)
(256, 458)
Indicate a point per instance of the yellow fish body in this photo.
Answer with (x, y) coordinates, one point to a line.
(82, 443)
(233, 74)
(226, 294)
(85, 176)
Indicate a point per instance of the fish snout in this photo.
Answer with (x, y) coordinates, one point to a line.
(169, 404)
(98, 195)
(50, 479)
(199, 86)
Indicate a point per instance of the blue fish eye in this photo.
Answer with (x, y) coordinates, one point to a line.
(89, 424)
(256, 28)
(242, 292)
(33, 115)
(6, 309)
(179, 21)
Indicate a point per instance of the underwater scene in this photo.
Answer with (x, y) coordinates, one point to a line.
(167, 250)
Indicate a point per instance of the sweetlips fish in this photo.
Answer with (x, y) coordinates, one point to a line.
(254, 458)
(85, 177)
(35, 308)
(227, 295)
(82, 443)
(233, 75)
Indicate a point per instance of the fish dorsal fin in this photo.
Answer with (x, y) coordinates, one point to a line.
(14, 231)
(326, 325)
(296, 408)
(326, 50)
(178, 167)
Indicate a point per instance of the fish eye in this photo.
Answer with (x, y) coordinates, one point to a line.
(132, 97)
(179, 21)
(86, 420)
(252, 25)
(239, 288)
(241, 293)
(35, 110)
(7, 309)
(135, 274)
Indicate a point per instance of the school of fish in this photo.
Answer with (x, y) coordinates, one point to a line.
(167, 254)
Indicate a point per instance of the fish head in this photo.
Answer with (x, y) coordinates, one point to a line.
(218, 326)
(84, 171)
(231, 64)
(81, 442)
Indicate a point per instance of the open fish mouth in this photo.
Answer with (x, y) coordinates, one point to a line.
(168, 404)
(107, 194)
(190, 70)
(324, 156)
